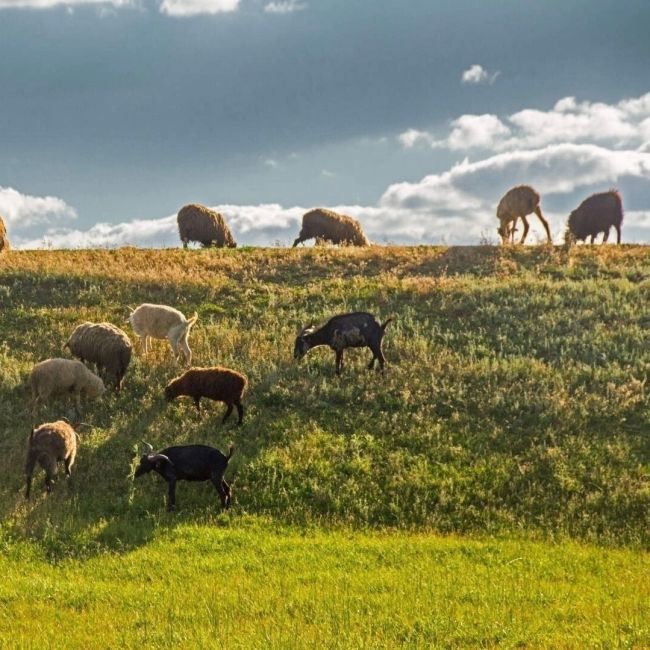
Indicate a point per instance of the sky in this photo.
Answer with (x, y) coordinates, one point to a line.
(414, 116)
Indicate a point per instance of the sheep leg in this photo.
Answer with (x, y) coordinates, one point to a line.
(618, 234)
(339, 361)
(48, 482)
(371, 364)
(68, 462)
(606, 236)
(29, 471)
(227, 414)
(197, 403)
(240, 411)
(526, 228)
(593, 238)
(540, 216)
(171, 495)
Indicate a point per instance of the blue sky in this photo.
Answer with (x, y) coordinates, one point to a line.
(414, 116)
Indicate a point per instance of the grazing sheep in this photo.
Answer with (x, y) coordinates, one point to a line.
(517, 203)
(198, 223)
(4, 241)
(47, 445)
(163, 322)
(103, 344)
(355, 330)
(64, 376)
(220, 384)
(322, 224)
(594, 215)
(188, 463)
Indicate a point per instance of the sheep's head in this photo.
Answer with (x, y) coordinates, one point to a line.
(170, 391)
(301, 346)
(95, 387)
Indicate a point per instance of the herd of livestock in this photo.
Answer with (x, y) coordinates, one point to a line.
(109, 348)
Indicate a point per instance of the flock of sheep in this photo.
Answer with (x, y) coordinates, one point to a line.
(109, 348)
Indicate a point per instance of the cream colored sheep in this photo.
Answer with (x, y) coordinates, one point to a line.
(55, 376)
(518, 203)
(4, 241)
(206, 226)
(327, 225)
(163, 322)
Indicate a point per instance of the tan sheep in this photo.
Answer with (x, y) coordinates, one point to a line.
(200, 224)
(4, 241)
(322, 224)
(163, 322)
(48, 445)
(517, 203)
(55, 376)
(103, 344)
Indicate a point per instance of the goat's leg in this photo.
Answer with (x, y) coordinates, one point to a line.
(48, 482)
(218, 482)
(68, 466)
(29, 471)
(197, 404)
(171, 495)
(540, 216)
(339, 361)
(227, 413)
(240, 411)
(526, 228)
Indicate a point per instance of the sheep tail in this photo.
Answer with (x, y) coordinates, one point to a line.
(385, 324)
(231, 451)
(192, 320)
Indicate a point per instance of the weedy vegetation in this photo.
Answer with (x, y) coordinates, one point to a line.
(491, 487)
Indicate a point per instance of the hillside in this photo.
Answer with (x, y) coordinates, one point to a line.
(514, 398)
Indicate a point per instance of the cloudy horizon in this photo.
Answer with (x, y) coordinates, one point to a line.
(125, 110)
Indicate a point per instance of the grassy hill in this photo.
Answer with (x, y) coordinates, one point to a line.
(514, 404)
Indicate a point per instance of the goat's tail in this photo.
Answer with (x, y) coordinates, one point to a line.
(385, 324)
(231, 451)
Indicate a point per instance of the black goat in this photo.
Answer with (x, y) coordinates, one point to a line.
(355, 330)
(188, 463)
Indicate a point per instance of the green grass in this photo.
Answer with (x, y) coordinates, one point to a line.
(513, 411)
(254, 585)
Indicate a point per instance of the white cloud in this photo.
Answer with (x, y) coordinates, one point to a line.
(477, 74)
(271, 162)
(284, 7)
(22, 210)
(48, 4)
(623, 124)
(196, 7)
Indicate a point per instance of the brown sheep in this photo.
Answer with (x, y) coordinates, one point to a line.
(322, 224)
(594, 215)
(220, 384)
(517, 203)
(4, 241)
(103, 344)
(47, 445)
(200, 224)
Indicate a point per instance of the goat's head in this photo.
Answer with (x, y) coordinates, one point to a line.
(150, 461)
(301, 346)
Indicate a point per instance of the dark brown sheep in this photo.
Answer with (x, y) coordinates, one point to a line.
(594, 215)
(47, 445)
(220, 384)
(326, 225)
(4, 241)
(200, 224)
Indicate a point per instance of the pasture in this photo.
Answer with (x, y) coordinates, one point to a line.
(492, 487)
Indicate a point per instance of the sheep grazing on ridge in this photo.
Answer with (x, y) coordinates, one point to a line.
(163, 322)
(326, 225)
(594, 215)
(54, 376)
(188, 463)
(200, 224)
(354, 330)
(219, 384)
(103, 344)
(4, 241)
(518, 203)
(47, 445)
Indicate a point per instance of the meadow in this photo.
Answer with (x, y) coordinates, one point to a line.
(491, 488)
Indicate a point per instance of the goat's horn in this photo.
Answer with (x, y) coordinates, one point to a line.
(154, 458)
(148, 447)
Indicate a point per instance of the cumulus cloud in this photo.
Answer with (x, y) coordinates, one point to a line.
(477, 74)
(182, 8)
(22, 210)
(623, 124)
(48, 4)
(284, 7)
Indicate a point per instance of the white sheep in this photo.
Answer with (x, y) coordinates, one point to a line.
(163, 322)
(54, 376)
